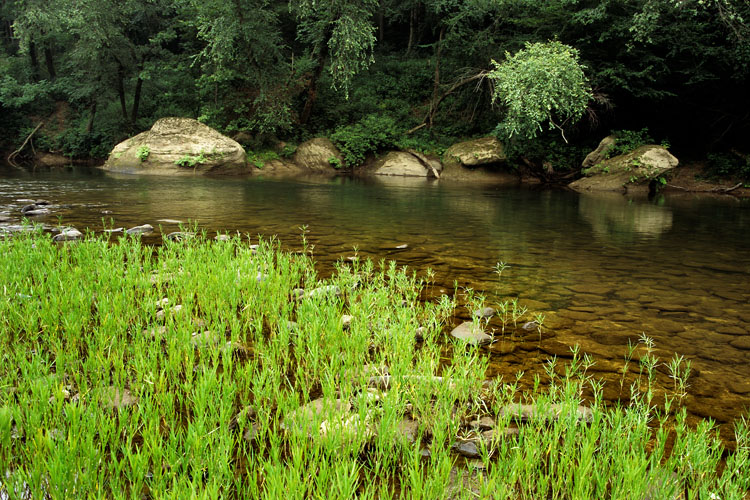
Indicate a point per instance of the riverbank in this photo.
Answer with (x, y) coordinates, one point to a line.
(234, 370)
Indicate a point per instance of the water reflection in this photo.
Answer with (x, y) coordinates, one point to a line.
(614, 217)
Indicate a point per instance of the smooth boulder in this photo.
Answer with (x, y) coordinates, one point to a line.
(178, 146)
(318, 155)
(407, 164)
(480, 160)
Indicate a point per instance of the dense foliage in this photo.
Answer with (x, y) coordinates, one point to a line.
(374, 74)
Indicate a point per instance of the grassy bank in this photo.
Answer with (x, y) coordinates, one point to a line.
(218, 369)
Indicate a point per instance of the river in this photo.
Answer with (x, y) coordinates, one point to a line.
(602, 268)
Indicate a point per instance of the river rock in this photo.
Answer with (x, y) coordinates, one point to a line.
(484, 313)
(469, 448)
(173, 139)
(37, 212)
(471, 333)
(484, 151)
(600, 153)
(29, 208)
(346, 321)
(116, 398)
(625, 172)
(741, 343)
(408, 430)
(323, 291)
(68, 234)
(525, 413)
(316, 155)
(180, 236)
(143, 229)
(407, 164)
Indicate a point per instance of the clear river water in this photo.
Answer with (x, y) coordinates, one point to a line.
(602, 268)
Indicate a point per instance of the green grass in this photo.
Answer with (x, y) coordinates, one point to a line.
(78, 320)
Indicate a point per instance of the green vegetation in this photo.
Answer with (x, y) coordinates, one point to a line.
(259, 159)
(191, 161)
(627, 141)
(730, 164)
(179, 371)
(378, 74)
(143, 152)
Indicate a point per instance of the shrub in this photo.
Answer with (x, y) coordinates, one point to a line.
(728, 164)
(628, 140)
(371, 134)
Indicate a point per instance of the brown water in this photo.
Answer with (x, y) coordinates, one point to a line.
(602, 268)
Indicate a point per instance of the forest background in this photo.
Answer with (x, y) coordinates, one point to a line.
(383, 74)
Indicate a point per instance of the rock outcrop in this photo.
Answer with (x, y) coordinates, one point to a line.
(600, 153)
(477, 161)
(178, 146)
(408, 164)
(318, 155)
(630, 172)
(484, 151)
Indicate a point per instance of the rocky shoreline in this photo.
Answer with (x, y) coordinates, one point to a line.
(186, 147)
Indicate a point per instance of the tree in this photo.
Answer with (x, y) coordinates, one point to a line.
(541, 84)
(340, 31)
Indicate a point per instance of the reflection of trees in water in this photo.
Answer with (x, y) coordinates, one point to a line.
(612, 216)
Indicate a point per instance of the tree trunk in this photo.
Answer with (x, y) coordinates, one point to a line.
(312, 87)
(436, 84)
(34, 61)
(92, 113)
(381, 21)
(136, 99)
(49, 60)
(412, 18)
(121, 93)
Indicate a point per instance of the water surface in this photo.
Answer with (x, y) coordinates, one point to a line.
(603, 269)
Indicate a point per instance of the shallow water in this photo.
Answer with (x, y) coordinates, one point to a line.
(603, 269)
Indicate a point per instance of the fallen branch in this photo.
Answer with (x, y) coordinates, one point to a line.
(15, 153)
(727, 190)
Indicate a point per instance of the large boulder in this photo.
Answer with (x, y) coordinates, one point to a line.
(484, 151)
(406, 163)
(318, 155)
(600, 153)
(477, 161)
(177, 146)
(631, 172)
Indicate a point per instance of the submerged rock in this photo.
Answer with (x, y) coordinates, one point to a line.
(484, 313)
(471, 333)
(36, 212)
(525, 413)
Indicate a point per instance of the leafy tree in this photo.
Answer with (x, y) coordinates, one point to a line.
(338, 30)
(542, 83)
